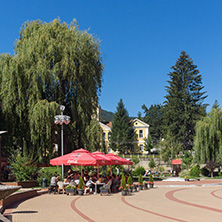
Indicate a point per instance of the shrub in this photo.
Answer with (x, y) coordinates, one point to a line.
(70, 187)
(161, 169)
(195, 171)
(23, 167)
(151, 178)
(123, 182)
(81, 184)
(152, 164)
(130, 180)
(184, 173)
(140, 179)
(139, 170)
(48, 173)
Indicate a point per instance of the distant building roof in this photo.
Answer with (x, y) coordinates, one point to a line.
(109, 124)
(176, 161)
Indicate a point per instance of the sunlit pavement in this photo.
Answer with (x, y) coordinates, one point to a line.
(190, 203)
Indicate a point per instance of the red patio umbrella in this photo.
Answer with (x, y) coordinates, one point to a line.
(122, 160)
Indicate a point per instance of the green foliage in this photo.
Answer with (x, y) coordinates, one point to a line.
(123, 182)
(187, 159)
(22, 167)
(184, 173)
(184, 101)
(139, 170)
(130, 180)
(161, 169)
(152, 164)
(94, 136)
(151, 180)
(54, 63)
(148, 143)
(208, 139)
(70, 187)
(121, 133)
(140, 179)
(48, 173)
(135, 161)
(81, 183)
(154, 117)
(195, 171)
(169, 148)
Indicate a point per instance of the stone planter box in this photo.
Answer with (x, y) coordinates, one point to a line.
(23, 184)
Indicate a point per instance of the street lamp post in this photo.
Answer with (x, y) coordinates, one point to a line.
(60, 119)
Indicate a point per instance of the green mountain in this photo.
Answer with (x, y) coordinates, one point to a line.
(106, 116)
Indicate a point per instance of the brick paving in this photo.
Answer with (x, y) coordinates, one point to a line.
(193, 203)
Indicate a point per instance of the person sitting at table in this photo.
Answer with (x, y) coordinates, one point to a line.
(90, 185)
(69, 175)
(115, 184)
(94, 178)
(53, 183)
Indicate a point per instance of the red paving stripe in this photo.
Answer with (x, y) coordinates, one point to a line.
(170, 196)
(147, 211)
(73, 206)
(213, 194)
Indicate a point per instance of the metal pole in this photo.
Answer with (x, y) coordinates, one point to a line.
(62, 148)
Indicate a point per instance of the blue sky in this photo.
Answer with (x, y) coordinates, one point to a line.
(140, 41)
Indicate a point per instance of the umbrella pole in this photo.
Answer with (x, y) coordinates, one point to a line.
(110, 171)
(81, 171)
(97, 171)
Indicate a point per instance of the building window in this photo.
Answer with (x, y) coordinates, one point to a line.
(141, 148)
(140, 133)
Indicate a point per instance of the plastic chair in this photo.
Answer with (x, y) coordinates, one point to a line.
(60, 187)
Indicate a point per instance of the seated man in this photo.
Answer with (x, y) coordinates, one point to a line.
(69, 175)
(53, 183)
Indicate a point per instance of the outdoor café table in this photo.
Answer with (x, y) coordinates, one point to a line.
(96, 184)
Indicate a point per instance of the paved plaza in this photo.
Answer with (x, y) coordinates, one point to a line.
(200, 202)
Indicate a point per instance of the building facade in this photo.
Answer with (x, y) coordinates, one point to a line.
(141, 130)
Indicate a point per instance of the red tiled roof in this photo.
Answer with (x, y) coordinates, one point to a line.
(109, 124)
(176, 161)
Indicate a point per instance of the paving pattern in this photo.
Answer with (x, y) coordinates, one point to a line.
(194, 203)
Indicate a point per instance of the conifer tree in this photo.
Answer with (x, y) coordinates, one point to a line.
(121, 133)
(184, 101)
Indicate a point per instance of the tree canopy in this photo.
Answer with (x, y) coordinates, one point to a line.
(54, 63)
(208, 139)
(184, 101)
(122, 132)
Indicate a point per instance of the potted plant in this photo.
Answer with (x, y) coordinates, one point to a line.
(70, 189)
(140, 180)
(123, 186)
(146, 185)
(81, 186)
(151, 181)
(130, 183)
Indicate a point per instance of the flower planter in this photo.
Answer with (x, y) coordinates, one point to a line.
(80, 191)
(124, 192)
(130, 189)
(140, 187)
(71, 191)
(146, 186)
(151, 185)
(135, 188)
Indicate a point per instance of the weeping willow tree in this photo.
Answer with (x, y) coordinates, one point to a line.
(54, 63)
(208, 139)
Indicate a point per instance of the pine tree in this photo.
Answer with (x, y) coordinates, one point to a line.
(184, 101)
(121, 133)
(154, 117)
